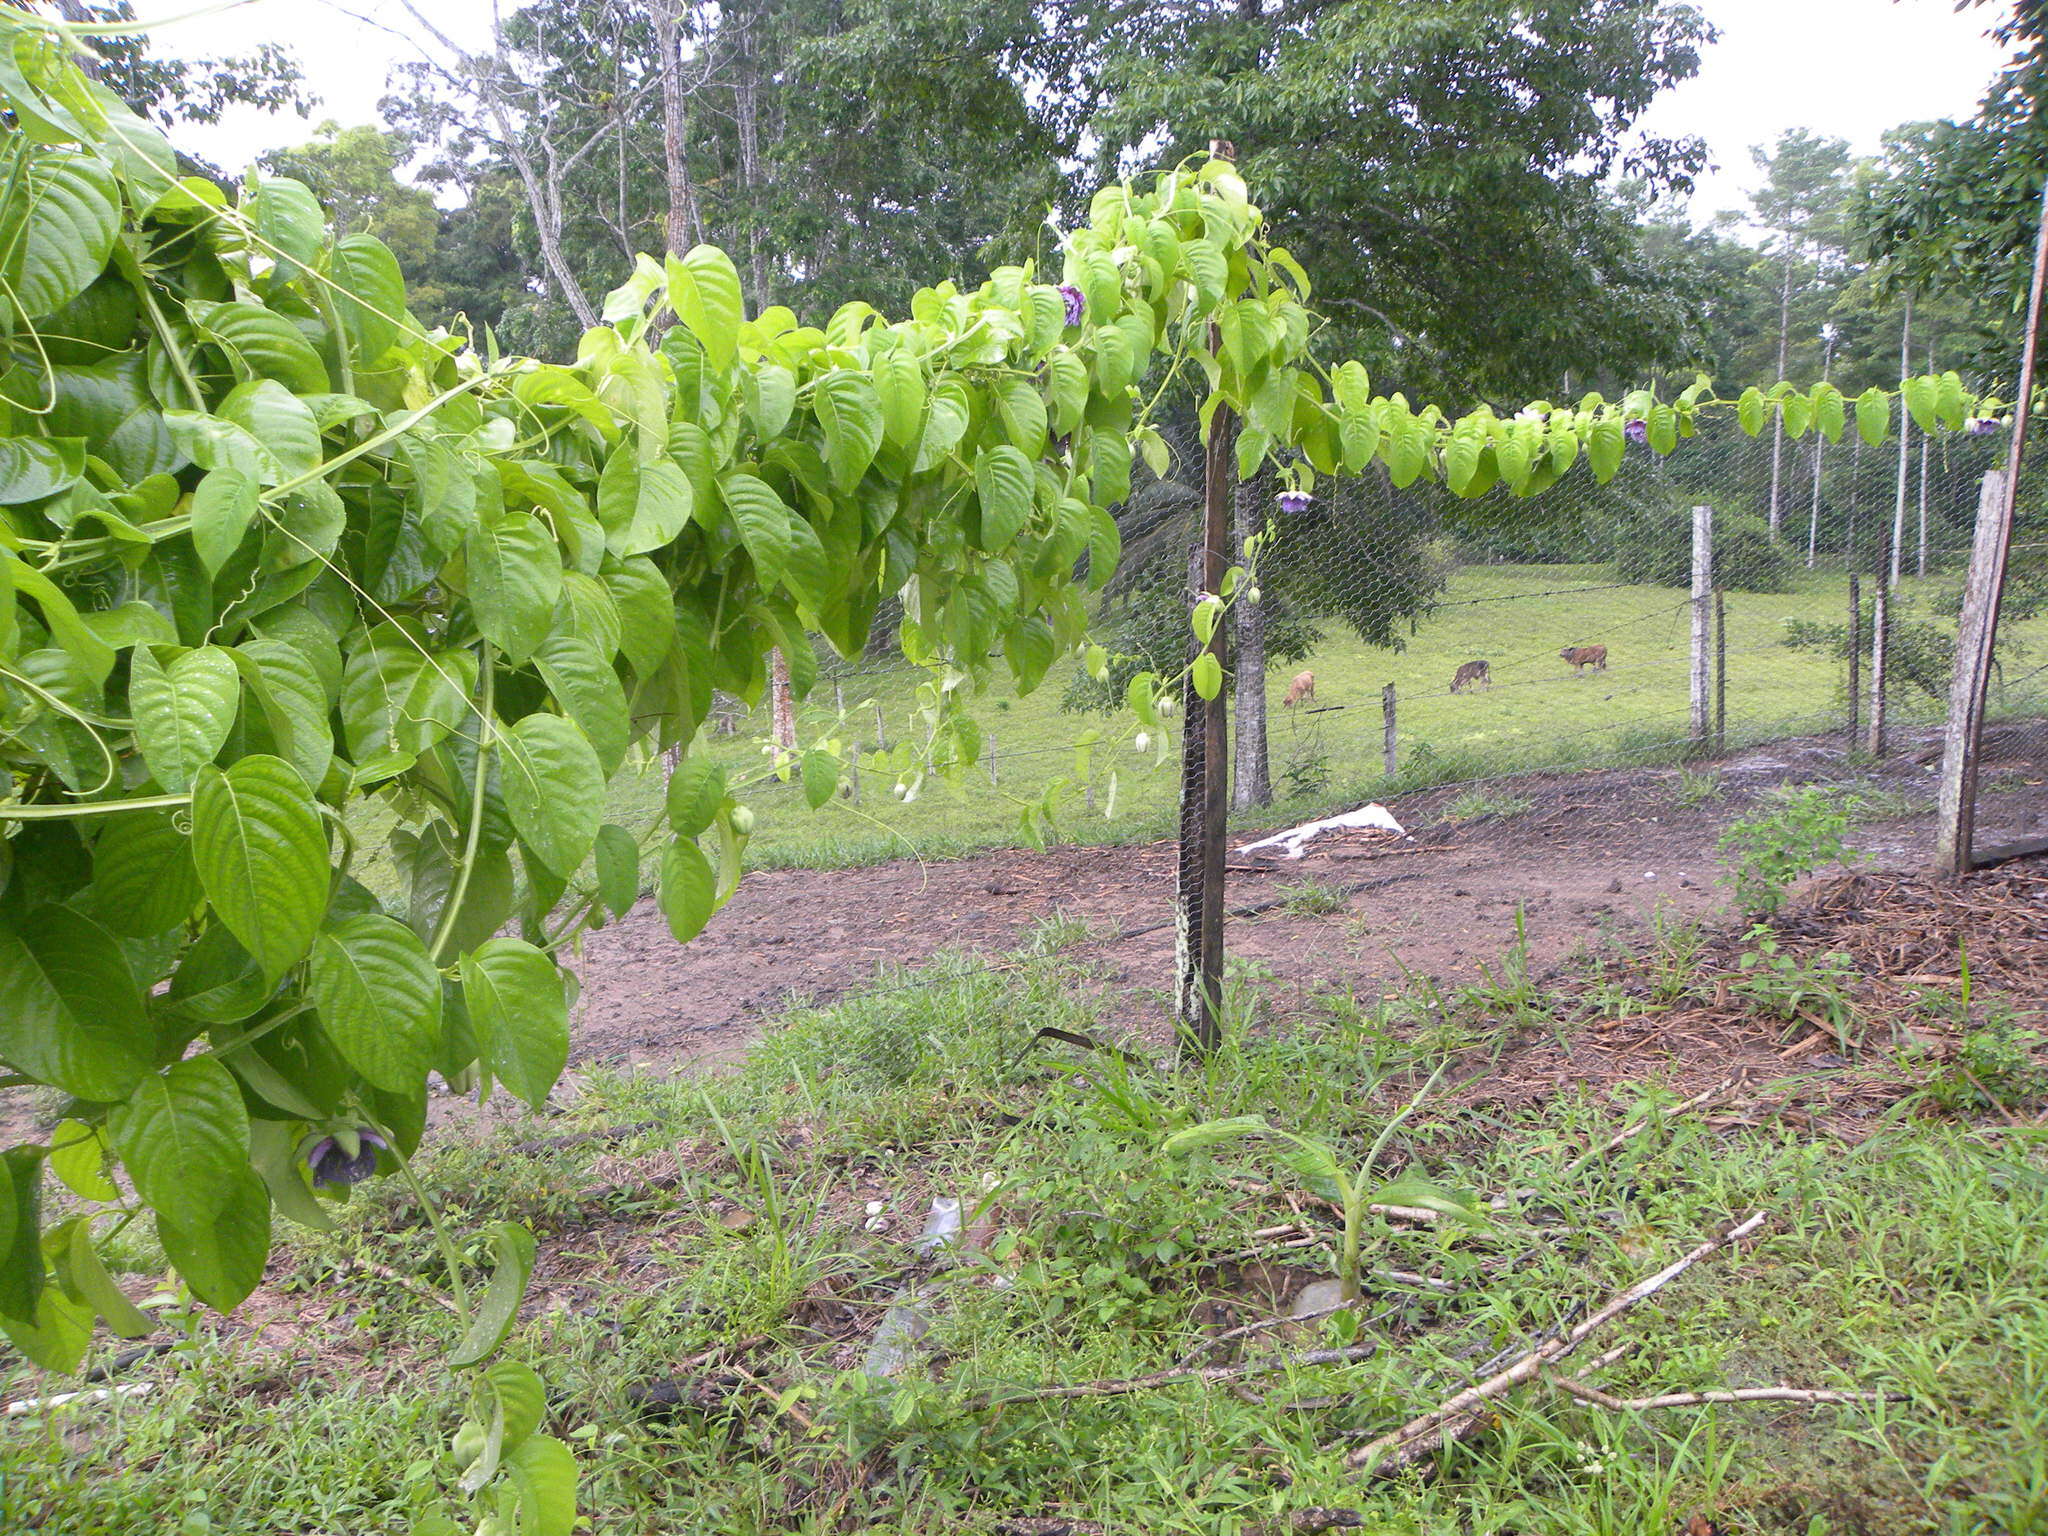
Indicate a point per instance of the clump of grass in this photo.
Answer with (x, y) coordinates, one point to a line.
(1312, 898)
(1696, 789)
(1058, 930)
(1486, 804)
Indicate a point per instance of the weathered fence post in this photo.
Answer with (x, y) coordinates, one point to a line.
(839, 697)
(1702, 597)
(1720, 672)
(992, 759)
(881, 729)
(1880, 638)
(1956, 797)
(1977, 626)
(1390, 745)
(1855, 653)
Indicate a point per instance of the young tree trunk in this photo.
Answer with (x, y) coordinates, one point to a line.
(1784, 353)
(782, 712)
(684, 229)
(747, 111)
(1254, 781)
(543, 188)
(1905, 459)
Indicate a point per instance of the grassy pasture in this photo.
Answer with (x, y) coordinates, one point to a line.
(1537, 714)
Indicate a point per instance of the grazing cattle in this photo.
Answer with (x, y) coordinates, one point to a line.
(1584, 656)
(1470, 673)
(1303, 687)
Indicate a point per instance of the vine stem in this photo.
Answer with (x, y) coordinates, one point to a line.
(90, 808)
(445, 929)
(449, 1255)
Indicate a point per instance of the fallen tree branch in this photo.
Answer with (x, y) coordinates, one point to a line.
(1599, 1399)
(1206, 1374)
(1458, 1415)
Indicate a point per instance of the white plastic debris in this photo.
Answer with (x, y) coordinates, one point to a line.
(90, 1395)
(941, 1227)
(1294, 842)
(876, 1207)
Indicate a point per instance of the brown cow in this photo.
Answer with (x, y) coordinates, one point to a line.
(1303, 687)
(1584, 656)
(1470, 673)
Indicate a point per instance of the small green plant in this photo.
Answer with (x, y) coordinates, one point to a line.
(1796, 833)
(1696, 789)
(1781, 983)
(1480, 804)
(1058, 930)
(1997, 1065)
(1313, 898)
(1322, 1170)
(1306, 774)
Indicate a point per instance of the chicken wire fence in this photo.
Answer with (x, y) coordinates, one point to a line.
(1411, 639)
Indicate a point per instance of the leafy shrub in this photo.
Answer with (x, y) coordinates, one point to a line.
(1657, 551)
(1798, 832)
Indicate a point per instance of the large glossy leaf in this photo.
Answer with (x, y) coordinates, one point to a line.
(850, 411)
(108, 404)
(35, 468)
(262, 857)
(287, 220)
(71, 1014)
(1003, 481)
(689, 889)
(515, 575)
(543, 1471)
(513, 993)
(696, 789)
(261, 430)
(287, 689)
(369, 293)
(617, 857)
(704, 291)
(87, 1276)
(498, 1309)
(642, 506)
(764, 523)
(143, 878)
(379, 998)
(57, 229)
(554, 789)
(184, 711)
(183, 1136)
(647, 614)
(261, 344)
(222, 1257)
(587, 689)
(21, 1254)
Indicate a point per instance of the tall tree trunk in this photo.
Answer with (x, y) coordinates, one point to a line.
(747, 112)
(1784, 353)
(1254, 780)
(543, 190)
(684, 228)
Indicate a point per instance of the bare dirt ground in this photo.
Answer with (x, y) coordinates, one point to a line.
(1591, 859)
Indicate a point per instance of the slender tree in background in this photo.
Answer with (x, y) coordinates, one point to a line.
(1800, 203)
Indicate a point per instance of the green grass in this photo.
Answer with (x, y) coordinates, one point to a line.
(1538, 714)
(1914, 1262)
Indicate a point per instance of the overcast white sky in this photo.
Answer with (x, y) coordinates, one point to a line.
(1848, 68)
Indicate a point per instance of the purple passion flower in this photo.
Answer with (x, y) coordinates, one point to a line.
(1980, 426)
(1294, 502)
(1077, 303)
(1637, 431)
(332, 1165)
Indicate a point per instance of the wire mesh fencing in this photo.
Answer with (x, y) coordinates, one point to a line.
(1411, 639)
